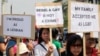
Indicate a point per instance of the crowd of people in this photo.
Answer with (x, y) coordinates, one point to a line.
(41, 45)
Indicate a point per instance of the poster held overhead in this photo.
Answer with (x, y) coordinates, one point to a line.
(18, 26)
(49, 15)
(83, 17)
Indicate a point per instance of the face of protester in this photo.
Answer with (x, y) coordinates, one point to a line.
(45, 35)
(30, 45)
(87, 41)
(90, 43)
(76, 48)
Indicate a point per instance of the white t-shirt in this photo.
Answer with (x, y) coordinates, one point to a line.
(40, 51)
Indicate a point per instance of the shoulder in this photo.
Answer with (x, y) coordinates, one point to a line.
(54, 46)
(56, 41)
(11, 43)
(37, 46)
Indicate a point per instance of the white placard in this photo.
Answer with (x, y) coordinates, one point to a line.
(95, 34)
(49, 15)
(17, 25)
(83, 17)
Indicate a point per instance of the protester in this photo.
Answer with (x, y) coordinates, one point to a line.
(30, 47)
(56, 42)
(11, 49)
(35, 42)
(23, 50)
(65, 42)
(45, 48)
(90, 50)
(2, 45)
(74, 46)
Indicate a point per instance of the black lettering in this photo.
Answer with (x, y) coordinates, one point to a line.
(77, 8)
(18, 19)
(50, 15)
(15, 19)
(84, 24)
(8, 18)
(44, 15)
(93, 17)
(86, 9)
(15, 24)
(80, 24)
(80, 16)
(49, 9)
(7, 29)
(16, 30)
(55, 9)
(41, 10)
(51, 20)
(42, 21)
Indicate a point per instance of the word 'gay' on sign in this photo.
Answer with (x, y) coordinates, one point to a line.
(49, 15)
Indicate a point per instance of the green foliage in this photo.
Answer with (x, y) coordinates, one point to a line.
(65, 14)
(3, 1)
(57, 0)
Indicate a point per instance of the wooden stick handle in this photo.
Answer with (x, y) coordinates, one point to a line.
(18, 41)
(84, 45)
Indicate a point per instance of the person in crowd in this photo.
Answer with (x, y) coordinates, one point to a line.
(23, 50)
(56, 42)
(35, 42)
(30, 47)
(60, 34)
(2, 45)
(11, 49)
(45, 47)
(65, 42)
(31, 44)
(90, 44)
(74, 46)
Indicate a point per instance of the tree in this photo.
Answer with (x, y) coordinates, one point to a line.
(64, 7)
(3, 1)
(57, 0)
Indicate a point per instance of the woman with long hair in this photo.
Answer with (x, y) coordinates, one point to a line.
(45, 47)
(75, 46)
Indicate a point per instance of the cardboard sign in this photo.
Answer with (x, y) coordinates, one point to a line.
(18, 25)
(95, 34)
(83, 17)
(49, 15)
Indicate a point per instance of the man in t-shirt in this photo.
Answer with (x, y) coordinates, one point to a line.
(2, 45)
(56, 42)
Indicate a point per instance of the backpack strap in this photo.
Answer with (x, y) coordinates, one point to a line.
(43, 47)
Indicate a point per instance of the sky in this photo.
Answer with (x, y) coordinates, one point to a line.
(21, 6)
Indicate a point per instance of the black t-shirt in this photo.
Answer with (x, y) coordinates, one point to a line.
(1, 41)
(1, 53)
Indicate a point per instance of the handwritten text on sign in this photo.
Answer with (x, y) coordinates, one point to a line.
(84, 17)
(49, 15)
(17, 25)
